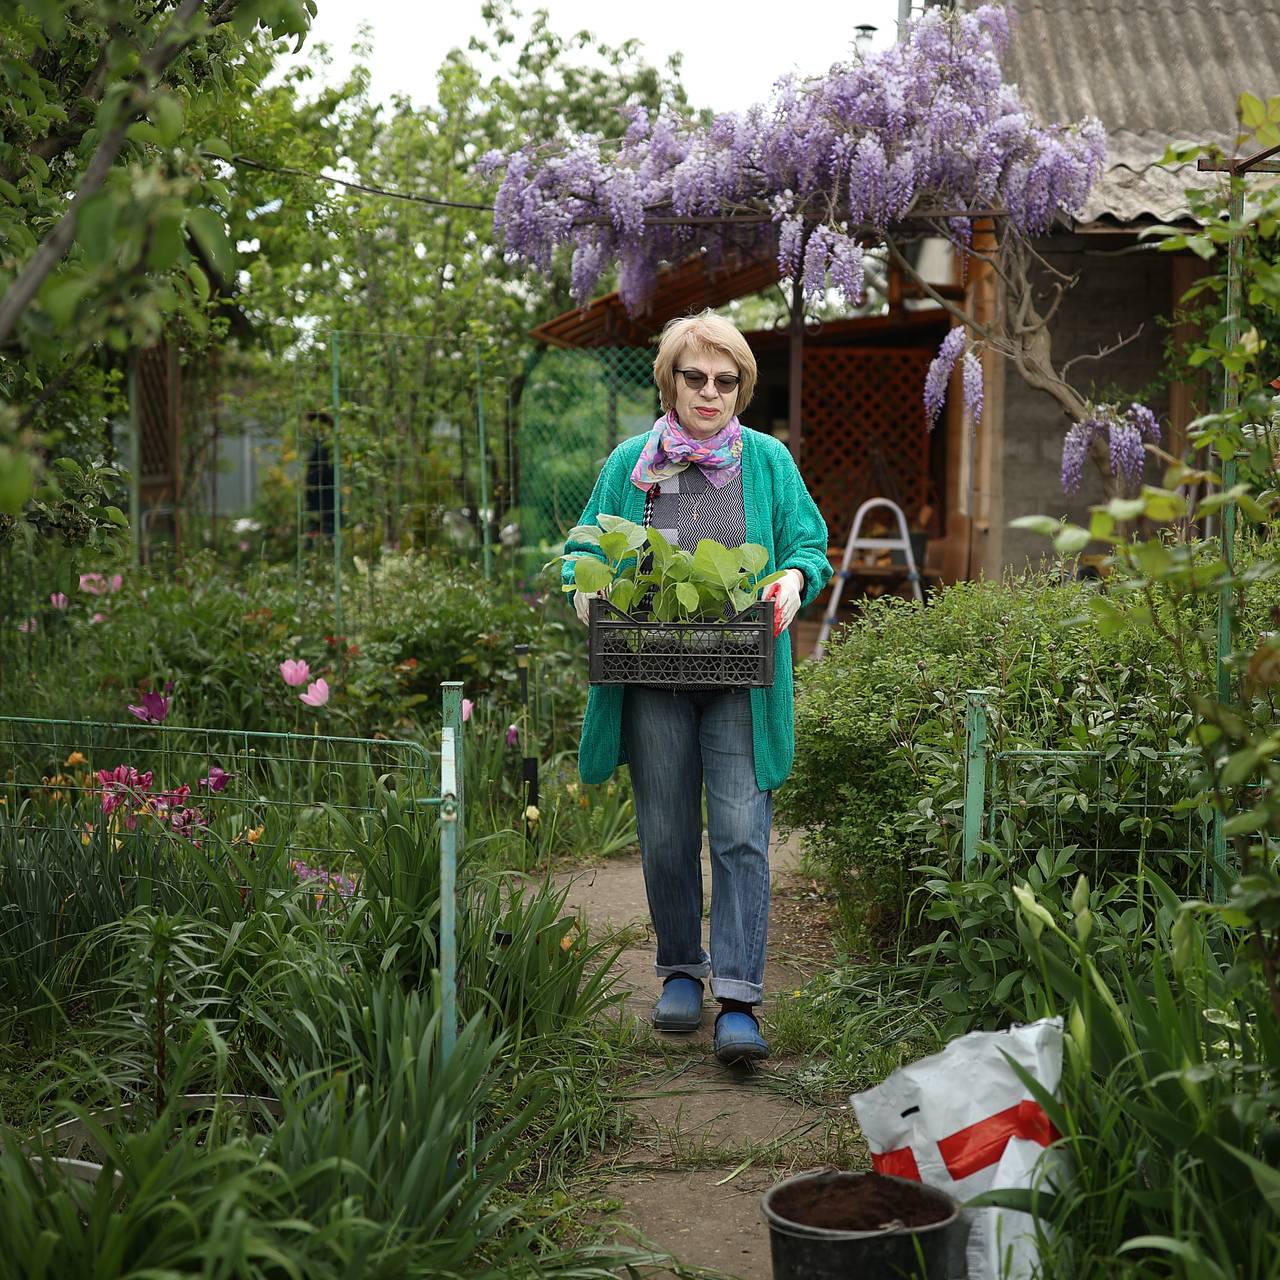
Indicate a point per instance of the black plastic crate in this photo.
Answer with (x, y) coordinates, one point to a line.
(736, 653)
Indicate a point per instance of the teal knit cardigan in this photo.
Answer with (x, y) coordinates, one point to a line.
(782, 518)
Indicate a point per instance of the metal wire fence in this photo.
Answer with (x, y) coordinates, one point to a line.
(208, 785)
(575, 407)
(98, 818)
(1119, 810)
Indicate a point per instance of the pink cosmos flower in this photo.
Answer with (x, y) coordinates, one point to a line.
(513, 735)
(94, 583)
(294, 671)
(154, 708)
(467, 705)
(28, 624)
(116, 581)
(98, 617)
(317, 693)
(59, 600)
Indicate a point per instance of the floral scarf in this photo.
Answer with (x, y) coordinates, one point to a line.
(670, 449)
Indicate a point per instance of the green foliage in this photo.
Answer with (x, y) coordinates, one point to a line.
(120, 103)
(1171, 1082)
(74, 506)
(1169, 1097)
(399, 1162)
(669, 583)
(879, 771)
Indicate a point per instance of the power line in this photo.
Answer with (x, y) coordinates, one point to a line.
(434, 201)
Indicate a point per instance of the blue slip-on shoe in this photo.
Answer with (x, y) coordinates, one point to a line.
(738, 1038)
(679, 1008)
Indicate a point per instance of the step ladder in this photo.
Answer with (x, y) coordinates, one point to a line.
(857, 543)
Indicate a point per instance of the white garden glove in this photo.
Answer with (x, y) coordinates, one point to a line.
(582, 605)
(785, 594)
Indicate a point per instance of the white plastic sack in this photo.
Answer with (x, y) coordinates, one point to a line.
(962, 1121)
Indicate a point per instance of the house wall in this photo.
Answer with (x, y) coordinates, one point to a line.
(1116, 294)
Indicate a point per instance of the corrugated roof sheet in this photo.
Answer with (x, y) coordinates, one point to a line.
(1153, 71)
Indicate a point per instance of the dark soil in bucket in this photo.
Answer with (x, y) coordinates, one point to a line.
(867, 1203)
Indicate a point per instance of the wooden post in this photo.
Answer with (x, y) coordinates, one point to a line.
(796, 375)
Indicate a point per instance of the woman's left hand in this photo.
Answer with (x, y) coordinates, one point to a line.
(785, 594)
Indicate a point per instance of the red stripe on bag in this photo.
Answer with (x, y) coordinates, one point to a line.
(982, 1144)
(900, 1163)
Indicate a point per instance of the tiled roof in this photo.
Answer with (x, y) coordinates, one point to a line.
(1153, 71)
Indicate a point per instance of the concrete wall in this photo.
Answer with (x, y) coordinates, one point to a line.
(1116, 293)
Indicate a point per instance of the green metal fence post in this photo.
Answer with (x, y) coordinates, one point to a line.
(448, 891)
(335, 371)
(451, 707)
(486, 516)
(1230, 399)
(975, 786)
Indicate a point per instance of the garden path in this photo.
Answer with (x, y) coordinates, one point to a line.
(706, 1141)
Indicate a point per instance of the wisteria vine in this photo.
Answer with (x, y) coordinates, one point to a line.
(922, 137)
(1124, 432)
(926, 126)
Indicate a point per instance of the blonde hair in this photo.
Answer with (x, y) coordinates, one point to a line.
(708, 332)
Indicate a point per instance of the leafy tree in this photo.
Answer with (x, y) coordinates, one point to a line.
(112, 199)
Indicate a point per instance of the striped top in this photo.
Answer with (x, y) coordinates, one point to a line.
(688, 507)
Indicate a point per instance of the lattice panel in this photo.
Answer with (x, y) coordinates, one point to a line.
(865, 434)
(155, 416)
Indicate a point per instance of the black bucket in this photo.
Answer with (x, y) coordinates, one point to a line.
(803, 1252)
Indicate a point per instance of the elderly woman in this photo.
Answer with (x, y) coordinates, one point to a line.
(700, 474)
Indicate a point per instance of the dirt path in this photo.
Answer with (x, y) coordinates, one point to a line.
(706, 1140)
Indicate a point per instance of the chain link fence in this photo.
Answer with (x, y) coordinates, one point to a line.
(575, 407)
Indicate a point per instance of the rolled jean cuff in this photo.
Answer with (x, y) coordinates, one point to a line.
(699, 970)
(736, 989)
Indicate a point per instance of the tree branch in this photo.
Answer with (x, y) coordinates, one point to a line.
(1103, 352)
(177, 35)
(989, 336)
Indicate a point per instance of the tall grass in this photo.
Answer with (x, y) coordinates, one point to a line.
(170, 970)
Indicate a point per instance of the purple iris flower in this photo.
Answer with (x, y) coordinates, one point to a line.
(216, 779)
(154, 708)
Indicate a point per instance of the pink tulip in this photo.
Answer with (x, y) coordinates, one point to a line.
(317, 693)
(94, 583)
(513, 735)
(295, 671)
(59, 600)
(28, 624)
(98, 617)
(117, 581)
(467, 704)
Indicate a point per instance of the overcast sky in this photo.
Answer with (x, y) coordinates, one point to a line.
(732, 52)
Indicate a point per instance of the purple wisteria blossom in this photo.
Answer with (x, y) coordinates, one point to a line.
(973, 386)
(1126, 433)
(926, 125)
(940, 370)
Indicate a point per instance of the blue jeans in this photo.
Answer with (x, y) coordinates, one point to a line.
(676, 743)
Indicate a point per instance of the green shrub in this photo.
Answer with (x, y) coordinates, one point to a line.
(880, 723)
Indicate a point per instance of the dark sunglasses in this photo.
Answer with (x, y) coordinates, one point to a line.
(695, 380)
